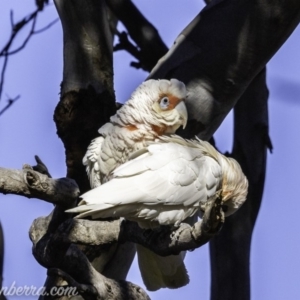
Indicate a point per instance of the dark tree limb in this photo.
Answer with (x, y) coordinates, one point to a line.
(230, 250)
(87, 291)
(73, 266)
(221, 51)
(150, 47)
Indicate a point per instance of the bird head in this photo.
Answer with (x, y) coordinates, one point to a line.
(156, 105)
(234, 186)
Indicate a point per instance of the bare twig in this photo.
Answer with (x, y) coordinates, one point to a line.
(41, 3)
(10, 102)
(46, 27)
(2, 76)
(7, 53)
(15, 30)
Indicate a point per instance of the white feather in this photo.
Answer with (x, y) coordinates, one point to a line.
(164, 186)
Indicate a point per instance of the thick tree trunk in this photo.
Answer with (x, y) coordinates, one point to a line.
(87, 96)
(230, 250)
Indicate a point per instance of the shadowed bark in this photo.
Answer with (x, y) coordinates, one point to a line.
(87, 97)
(230, 250)
(220, 52)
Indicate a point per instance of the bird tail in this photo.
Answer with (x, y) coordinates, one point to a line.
(162, 271)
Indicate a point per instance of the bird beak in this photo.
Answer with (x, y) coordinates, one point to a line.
(182, 111)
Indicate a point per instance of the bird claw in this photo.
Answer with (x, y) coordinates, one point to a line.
(213, 218)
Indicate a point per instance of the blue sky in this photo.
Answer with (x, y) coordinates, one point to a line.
(28, 129)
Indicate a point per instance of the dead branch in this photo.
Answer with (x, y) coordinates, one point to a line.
(32, 184)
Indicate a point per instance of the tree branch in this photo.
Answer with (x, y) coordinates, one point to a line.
(10, 102)
(164, 240)
(75, 268)
(221, 51)
(150, 47)
(16, 28)
(32, 184)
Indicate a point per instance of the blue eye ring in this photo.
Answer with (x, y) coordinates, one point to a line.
(164, 103)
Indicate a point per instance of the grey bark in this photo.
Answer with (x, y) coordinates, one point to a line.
(32, 184)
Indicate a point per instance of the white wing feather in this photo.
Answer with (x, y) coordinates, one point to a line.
(164, 185)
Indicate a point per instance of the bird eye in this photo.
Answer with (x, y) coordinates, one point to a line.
(164, 103)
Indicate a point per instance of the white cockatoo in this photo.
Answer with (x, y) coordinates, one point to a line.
(163, 184)
(167, 182)
(154, 109)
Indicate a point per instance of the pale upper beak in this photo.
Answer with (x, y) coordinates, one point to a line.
(182, 111)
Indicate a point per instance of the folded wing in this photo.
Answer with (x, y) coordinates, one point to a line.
(164, 185)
